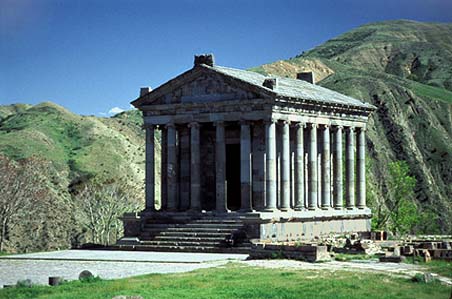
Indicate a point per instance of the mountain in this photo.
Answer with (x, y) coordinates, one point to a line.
(405, 69)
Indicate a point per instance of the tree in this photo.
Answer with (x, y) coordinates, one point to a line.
(399, 213)
(101, 205)
(22, 185)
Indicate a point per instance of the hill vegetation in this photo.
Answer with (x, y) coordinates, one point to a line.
(402, 67)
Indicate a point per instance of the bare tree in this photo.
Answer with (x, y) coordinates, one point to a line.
(22, 184)
(100, 207)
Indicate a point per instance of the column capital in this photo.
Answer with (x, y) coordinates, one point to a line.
(299, 125)
(312, 125)
(194, 124)
(170, 125)
(325, 126)
(218, 123)
(361, 129)
(270, 121)
(286, 122)
(350, 129)
(335, 128)
(244, 122)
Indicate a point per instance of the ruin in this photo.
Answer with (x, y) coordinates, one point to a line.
(272, 158)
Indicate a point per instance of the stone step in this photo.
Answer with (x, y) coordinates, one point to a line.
(179, 238)
(188, 230)
(194, 225)
(181, 243)
(193, 234)
(239, 249)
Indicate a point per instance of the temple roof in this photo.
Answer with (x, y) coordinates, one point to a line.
(292, 88)
(275, 87)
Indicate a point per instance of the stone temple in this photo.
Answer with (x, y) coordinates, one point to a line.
(248, 157)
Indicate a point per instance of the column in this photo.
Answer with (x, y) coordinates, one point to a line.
(285, 167)
(258, 166)
(326, 168)
(171, 167)
(245, 166)
(337, 160)
(195, 168)
(299, 167)
(361, 169)
(163, 169)
(220, 168)
(270, 174)
(312, 167)
(150, 164)
(184, 167)
(350, 169)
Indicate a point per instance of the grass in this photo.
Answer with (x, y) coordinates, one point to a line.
(440, 267)
(343, 257)
(233, 281)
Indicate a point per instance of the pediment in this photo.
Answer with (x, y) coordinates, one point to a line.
(199, 85)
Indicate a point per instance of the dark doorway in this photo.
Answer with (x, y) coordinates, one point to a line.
(233, 176)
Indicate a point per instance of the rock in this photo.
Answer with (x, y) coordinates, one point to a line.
(55, 280)
(396, 251)
(85, 274)
(424, 277)
(392, 259)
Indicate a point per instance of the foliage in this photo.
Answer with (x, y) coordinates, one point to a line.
(243, 282)
(400, 213)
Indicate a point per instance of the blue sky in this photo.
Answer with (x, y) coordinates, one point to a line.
(92, 56)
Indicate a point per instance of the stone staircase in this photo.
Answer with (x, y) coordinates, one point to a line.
(199, 235)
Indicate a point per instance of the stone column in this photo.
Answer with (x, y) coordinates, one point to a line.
(184, 167)
(299, 167)
(326, 168)
(312, 167)
(150, 168)
(258, 166)
(163, 169)
(350, 169)
(361, 169)
(270, 174)
(220, 168)
(285, 167)
(245, 166)
(172, 167)
(195, 168)
(337, 160)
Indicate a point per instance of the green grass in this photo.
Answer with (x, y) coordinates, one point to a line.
(440, 267)
(343, 257)
(431, 92)
(234, 281)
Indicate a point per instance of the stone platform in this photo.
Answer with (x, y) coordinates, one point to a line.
(234, 231)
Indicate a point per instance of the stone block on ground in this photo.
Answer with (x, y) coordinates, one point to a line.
(392, 259)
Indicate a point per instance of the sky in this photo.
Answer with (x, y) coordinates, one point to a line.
(93, 56)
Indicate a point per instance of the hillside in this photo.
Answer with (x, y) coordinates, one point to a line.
(405, 69)
(77, 145)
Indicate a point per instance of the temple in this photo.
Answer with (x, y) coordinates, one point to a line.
(248, 155)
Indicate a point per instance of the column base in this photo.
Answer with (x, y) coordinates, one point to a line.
(285, 209)
(326, 208)
(338, 208)
(270, 210)
(361, 207)
(299, 209)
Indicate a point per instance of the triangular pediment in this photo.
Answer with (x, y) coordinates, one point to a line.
(201, 85)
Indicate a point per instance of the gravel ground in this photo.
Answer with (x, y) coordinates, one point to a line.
(38, 271)
(107, 264)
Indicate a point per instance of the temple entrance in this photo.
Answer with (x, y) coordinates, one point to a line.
(233, 176)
